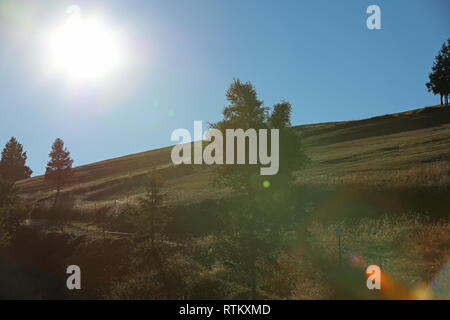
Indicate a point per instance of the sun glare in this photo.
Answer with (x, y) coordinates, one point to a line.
(85, 49)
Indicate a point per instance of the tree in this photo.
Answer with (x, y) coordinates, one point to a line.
(12, 212)
(8, 193)
(150, 219)
(281, 115)
(257, 222)
(59, 171)
(151, 253)
(245, 111)
(12, 163)
(440, 76)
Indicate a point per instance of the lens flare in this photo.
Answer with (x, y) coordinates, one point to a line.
(441, 283)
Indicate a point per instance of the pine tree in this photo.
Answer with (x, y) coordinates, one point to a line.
(281, 115)
(12, 163)
(59, 171)
(245, 111)
(150, 219)
(440, 76)
(262, 205)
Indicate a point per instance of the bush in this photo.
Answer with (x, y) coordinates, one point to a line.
(12, 212)
(11, 218)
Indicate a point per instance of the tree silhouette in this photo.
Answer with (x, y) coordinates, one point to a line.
(245, 109)
(281, 115)
(440, 76)
(12, 163)
(262, 205)
(59, 171)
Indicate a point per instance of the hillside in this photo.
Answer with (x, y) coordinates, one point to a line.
(404, 148)
(383, 182)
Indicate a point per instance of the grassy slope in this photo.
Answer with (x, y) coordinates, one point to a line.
(410, 149)
(405, 148)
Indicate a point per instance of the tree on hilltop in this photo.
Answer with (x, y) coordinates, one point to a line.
(262, 206)
(12, 163)
(440, 76)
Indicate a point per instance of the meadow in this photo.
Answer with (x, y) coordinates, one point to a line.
(404, 149)
(383, 182)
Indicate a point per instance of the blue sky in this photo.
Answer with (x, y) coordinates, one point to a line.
(318, 55)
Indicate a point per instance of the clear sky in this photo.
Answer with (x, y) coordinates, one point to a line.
(182, 55)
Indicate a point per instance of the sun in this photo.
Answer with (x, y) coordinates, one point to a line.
(85, 49)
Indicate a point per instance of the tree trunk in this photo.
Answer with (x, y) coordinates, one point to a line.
(441, 100)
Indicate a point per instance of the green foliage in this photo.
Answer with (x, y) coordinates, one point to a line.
(59, 171)
(257, 222)
(440, 76)
(245, 109)
(281, 115)
(12, 212)
(149, 218)
(8, 193)
(152, 263)
(12, 163)
(244, 112)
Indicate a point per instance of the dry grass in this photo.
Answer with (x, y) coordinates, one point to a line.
(411, 249)
(405, 150)
(410, 148)
(424, 175)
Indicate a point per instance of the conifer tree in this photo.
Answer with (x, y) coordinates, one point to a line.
(440, 76)
(12, 163)
(59, 171)
(262, 205)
